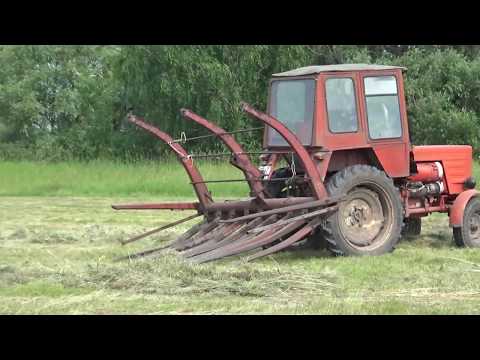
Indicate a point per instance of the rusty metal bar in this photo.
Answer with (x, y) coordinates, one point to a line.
(303, 155)
(158, 206)
(297, 236)
(143, 253)
(182, 239)
(200, 189)
(296, 218)
(243, 205)
(235, 235)
(154, 231)
(239, 159)
(195, 239)
(236, 246)
(301, 206)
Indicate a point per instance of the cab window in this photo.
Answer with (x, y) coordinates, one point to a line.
(292, 103)
(383, 108)
(341, 105)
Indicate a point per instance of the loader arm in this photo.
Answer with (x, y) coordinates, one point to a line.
(197, 181)
(239, 159)
(313, 175)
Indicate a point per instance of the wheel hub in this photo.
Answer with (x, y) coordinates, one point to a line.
(475, 226)
(362, 217)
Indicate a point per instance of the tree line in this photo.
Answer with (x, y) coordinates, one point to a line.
(69, 102)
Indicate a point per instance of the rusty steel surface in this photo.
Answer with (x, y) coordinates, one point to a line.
(298, 235)
(239, 158)
(315, 180)
(200, 189)
(252, 205)
(302, 206)
(159, 206)
(299, 217)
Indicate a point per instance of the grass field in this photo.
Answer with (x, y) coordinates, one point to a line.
(58, 240)
(104, 178)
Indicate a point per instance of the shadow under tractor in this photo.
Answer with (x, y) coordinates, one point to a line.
(353, 179)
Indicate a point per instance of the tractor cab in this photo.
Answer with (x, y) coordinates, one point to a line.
(347, 107)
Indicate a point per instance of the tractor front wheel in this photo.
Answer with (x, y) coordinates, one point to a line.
(468, 235)
(369, 221)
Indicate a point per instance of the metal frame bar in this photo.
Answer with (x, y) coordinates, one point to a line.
(156, 230)
(158, 206)
(239, 159)
(200, 188)
(307, 162)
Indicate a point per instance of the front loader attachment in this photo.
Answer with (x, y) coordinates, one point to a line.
(257, 226)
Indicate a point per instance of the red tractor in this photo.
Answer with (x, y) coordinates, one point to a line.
(351, 176)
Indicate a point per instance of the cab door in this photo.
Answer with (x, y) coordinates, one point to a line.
(342, 126)
(386, 120)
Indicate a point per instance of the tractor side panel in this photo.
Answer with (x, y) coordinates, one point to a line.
(345, 158)
(394, 159)
(456, 160)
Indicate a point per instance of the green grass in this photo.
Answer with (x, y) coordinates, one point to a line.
(58, 242)
(106, 178)
(57, 257)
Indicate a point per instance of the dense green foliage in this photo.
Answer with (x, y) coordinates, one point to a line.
(64, 102)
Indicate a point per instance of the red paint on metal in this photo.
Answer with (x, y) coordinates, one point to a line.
(430, 209)
(427, 172)
(456, 161)
(393, 154)
(458, 207)
(200, 188)
(240, 159)
(159, 206)
(393, 158)
(343, 158)
(307, 162)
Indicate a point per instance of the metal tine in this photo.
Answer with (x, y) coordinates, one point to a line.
(143, 253)
(301, 206)
(301, 216)
(217, 232)
(159, 249)
(258, 241)
(239, 245)
(236, 242)
(156, 230)
(299, 235)
(189, 233)
(214, 240)
(205, 228)
(200, 236)
(235, 235)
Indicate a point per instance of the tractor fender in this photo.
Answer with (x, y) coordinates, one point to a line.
(458, 207)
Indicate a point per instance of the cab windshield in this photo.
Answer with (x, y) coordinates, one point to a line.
(292, 103)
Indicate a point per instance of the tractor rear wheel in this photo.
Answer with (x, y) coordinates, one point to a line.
(369, 221)
(468, 235)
